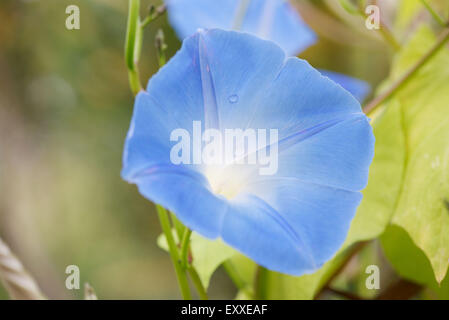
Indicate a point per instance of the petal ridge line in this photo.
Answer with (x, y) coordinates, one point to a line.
(296, 137)
(207, 83)
(292, 234)
(328, 186)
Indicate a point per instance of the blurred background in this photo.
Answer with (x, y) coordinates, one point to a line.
(65, 107)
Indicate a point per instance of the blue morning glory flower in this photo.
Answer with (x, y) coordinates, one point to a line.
(274, 20)
(358, 88)
(291, 209)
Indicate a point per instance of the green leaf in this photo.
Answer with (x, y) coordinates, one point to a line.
(421, 207)
(243, 295)
(385, 176)
(132, 34)
(410, 262)
(245, 269)
(349, 6)
(207, 255)
(407, 11)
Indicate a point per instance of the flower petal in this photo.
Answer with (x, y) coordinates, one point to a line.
(187, 16)
(358, 88)
(258, 231)
(338, 156)
(278, 21)
(239, 80)
(186, 193)
(274, 20)
(308, 99)
(316, 218)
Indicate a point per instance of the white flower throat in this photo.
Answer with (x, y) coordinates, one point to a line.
(228, 155)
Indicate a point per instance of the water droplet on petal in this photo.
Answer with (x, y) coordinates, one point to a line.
(233, 99)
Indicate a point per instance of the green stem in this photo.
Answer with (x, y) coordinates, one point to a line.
(435, 15)
(180, 272)
(179, 227)
(134, 81)
(186, 264)
(442, 39)
(146, 22)
(260, 283)
(185, 247)
(132, 45)
(197, 283)
(161, 47)
(153, 16)
(389, 37)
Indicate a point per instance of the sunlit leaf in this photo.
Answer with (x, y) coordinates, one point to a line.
(386, 171)
(407, 11)
(422, 208)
